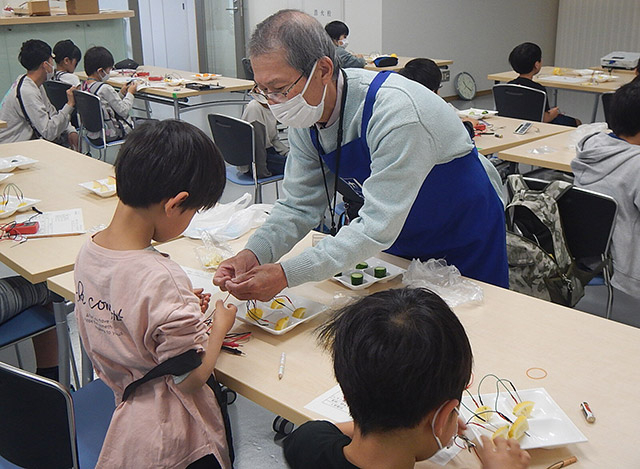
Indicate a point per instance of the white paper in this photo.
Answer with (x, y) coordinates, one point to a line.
(58, 223)
(332, 405)
(200, 279)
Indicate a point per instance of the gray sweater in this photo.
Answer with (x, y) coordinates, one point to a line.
(49, 122)
(348, 60)
(609, 165)
(411, 130)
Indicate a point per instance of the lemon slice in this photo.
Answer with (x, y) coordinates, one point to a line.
(255, 313)
(282, 323)
(298, 313)
(523, 408)
(96, 185)
(518, 428)
(111, 180)
(277, 304)
(502, 432)
(22, 204)
(483, 417)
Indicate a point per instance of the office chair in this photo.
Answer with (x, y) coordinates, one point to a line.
(606, 106)
(236, 140)
(42, 425)
(520, 102)
(57, 94)
(588, 219)
(92, 120)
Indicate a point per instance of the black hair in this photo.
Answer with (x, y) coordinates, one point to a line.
(397, 355)
(336, 29)
(33, 52)
(524, 57)
(160, 159)
(624, 110)
(424, 71)
(66, 48)
(95, 58)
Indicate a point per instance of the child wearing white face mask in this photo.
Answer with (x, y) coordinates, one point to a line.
(116, 107)
(402, 359)
(26, 108)
(338, 32)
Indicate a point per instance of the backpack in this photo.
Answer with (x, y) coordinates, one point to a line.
(540, 263)
(116, 127)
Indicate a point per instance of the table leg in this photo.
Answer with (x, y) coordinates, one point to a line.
(147, 108)
(87, 366)
(176, 108)
(555, 97)
(595, 107)
(60, 311)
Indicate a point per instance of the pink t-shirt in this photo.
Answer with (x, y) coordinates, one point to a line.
(136, 309)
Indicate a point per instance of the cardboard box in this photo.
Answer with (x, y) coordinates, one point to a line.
(39, 8)
(82, 7)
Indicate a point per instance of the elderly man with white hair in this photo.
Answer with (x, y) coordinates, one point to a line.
(426, 193)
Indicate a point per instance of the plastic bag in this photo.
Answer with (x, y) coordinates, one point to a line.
(225, 222)
(212, 252)
(582, 131)
(443, 279)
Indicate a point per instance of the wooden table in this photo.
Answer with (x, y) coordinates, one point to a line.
(178, 96)
(54, 180)
(3, 125)
(504, 126)
(561, 150)
(402, 61)
(586, 358)
(547, 78)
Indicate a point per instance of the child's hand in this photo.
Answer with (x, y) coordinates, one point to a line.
(133, 87)
(204, 299)
(554, 112)
(224, 317)
(502, 454)
(71, 100)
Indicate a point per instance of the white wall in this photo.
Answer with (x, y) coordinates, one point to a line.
(476, 35)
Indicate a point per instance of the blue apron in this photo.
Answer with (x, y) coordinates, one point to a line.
(457, 214)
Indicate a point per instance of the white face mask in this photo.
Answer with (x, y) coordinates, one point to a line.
(298, 113)
(344, 42)
(439, 443)
(52, 73)
(104, 76)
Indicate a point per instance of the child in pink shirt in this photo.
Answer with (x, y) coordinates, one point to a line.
(136, 308)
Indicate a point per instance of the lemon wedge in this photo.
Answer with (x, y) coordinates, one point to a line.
(483, 417)
(298, 313)
(111, 180)
(282, 323)
(96, 185)
(277, 304)
(523, 408)
(518, 428)
(255, 313)
(502, 432)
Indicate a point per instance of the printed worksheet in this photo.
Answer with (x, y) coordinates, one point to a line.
(331, 405)
(57, 223)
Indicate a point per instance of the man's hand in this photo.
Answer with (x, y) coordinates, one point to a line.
(229, 269)
(261, 283)
(502, 454)
(204, 299)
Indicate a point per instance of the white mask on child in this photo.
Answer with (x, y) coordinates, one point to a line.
(297, 112)
(344, 42)
(52, 73)
(104, 78)
(433, 430)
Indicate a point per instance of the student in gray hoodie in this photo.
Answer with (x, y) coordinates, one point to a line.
(610, 163)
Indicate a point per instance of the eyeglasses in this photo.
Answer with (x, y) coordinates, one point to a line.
(275, 97)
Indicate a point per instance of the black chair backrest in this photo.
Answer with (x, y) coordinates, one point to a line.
(606, 106)
(36, 422)
(587, 219)
(90, 111)
(234, 137)
(57, 93)
(520, 102)
(248, 69)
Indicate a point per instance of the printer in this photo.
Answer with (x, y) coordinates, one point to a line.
(628, 60)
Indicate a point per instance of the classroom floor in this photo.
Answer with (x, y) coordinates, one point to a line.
(256, 444)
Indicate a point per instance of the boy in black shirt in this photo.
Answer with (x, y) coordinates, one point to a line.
(526, 60)
(402, 359)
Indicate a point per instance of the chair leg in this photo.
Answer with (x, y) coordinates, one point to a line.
(277, 193)
(18, 356)
(607, 281)
(258, 194)
(60, 311)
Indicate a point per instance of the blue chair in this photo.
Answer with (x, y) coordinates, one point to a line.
(92, 120)
(42, 425)
(236, 140)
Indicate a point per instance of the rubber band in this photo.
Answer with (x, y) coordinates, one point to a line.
(532, 376)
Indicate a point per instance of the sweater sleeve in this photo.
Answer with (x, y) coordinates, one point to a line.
(122, 106)
(49, 122)
(348, 60)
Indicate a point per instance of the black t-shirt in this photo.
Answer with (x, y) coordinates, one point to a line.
(531, 84)
(317, 445)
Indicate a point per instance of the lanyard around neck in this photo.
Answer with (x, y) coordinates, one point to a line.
(332, 203)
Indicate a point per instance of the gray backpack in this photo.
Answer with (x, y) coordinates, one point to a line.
(540, 263)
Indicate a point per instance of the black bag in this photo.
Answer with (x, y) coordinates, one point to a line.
(180, 365)
(126, 64)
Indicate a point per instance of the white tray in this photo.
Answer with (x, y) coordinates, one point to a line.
(273, 315)
(103, 187)
(549, 426)
(14, 204)
(368, 277)
(10, 163)
(474, 113)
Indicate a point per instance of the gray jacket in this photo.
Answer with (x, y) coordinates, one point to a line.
(609, 165)
(49, 122)
(348, 60)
